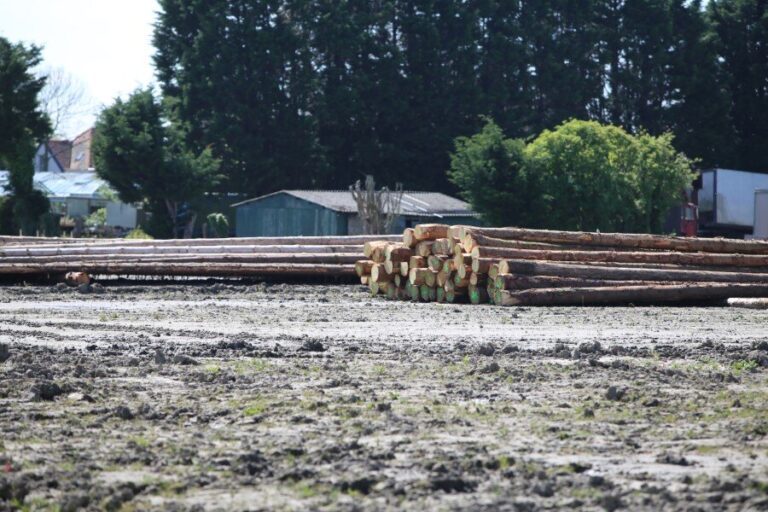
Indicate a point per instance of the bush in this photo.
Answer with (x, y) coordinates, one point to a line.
(219, 225)
(580, 176)
(138, 233)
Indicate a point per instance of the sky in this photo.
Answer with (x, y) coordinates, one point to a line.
(104, 45)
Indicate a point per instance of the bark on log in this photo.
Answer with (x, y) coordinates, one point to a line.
(11, 241)
(363, 267)
(68, 250)
(472, 240)
(192, 258)
(523, 282)
(544, 268)
(397, 253)
(431, 231)
(629, 294)
(627, 240)
(409, 238)
(380, 275)
(678, 258)
(184, 269)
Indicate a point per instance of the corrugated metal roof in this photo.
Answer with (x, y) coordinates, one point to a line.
(413, 203)
(85, 184)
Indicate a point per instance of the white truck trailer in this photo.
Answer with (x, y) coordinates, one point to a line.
(726, 201)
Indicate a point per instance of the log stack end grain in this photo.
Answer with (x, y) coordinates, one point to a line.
(516, 266)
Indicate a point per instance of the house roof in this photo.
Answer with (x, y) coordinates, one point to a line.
(84, 184)
(61, 151)
(413, 203)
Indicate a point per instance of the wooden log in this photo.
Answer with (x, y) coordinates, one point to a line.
(430, 231)
(404, 267)
(626, 240)
(454, 294)
(416, 276)
(413, 291)
(436, 262)
(391, 293)
(491, 291)
(756, 303)
(190, 258)
(427, 293)
(363, 267)
(391, 268)
(440, 294)
(80, 251)
(544, 268)
(523, 282)
(678, 258)
(184, 269)
(373, 287)
(658, 294)
(464, 271)
(442, 277)
(380, 275)
(483, 265)
(477, 294)
(409, 238)
(448, 266)
(430, 278)
(493, 271)
(472, 240)
(123, 242)
(462, 259)
(417, 262)
(77, 278)
(399, 281)
(460, 282)
(397, 253)
(442, 247)
(424, 249)
(364, 280)
(454, 232)
(476, 279)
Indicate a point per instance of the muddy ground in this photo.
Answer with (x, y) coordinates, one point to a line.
(295, 397)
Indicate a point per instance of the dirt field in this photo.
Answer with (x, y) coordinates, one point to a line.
(290, 397)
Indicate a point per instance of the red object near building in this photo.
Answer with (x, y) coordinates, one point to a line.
(689, 219)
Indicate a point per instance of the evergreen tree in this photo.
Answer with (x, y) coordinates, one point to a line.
(739, 29)
(22, 126)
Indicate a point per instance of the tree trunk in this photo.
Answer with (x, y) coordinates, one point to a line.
(626, 240)
(628, 294)
(678, 258)
(625, 273)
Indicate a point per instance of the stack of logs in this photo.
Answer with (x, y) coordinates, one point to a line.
(515, 266)
(298, 258)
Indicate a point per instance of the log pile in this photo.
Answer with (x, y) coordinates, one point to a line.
(269, 257)
(516, 266)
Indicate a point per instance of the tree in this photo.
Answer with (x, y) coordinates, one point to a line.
(63, 98)
(22, 125)
(490, 172)
(599, 177)
(377, 209)
(144, 157)
(739, 30)
(580, 176)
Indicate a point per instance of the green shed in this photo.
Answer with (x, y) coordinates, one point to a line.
(334, 212)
